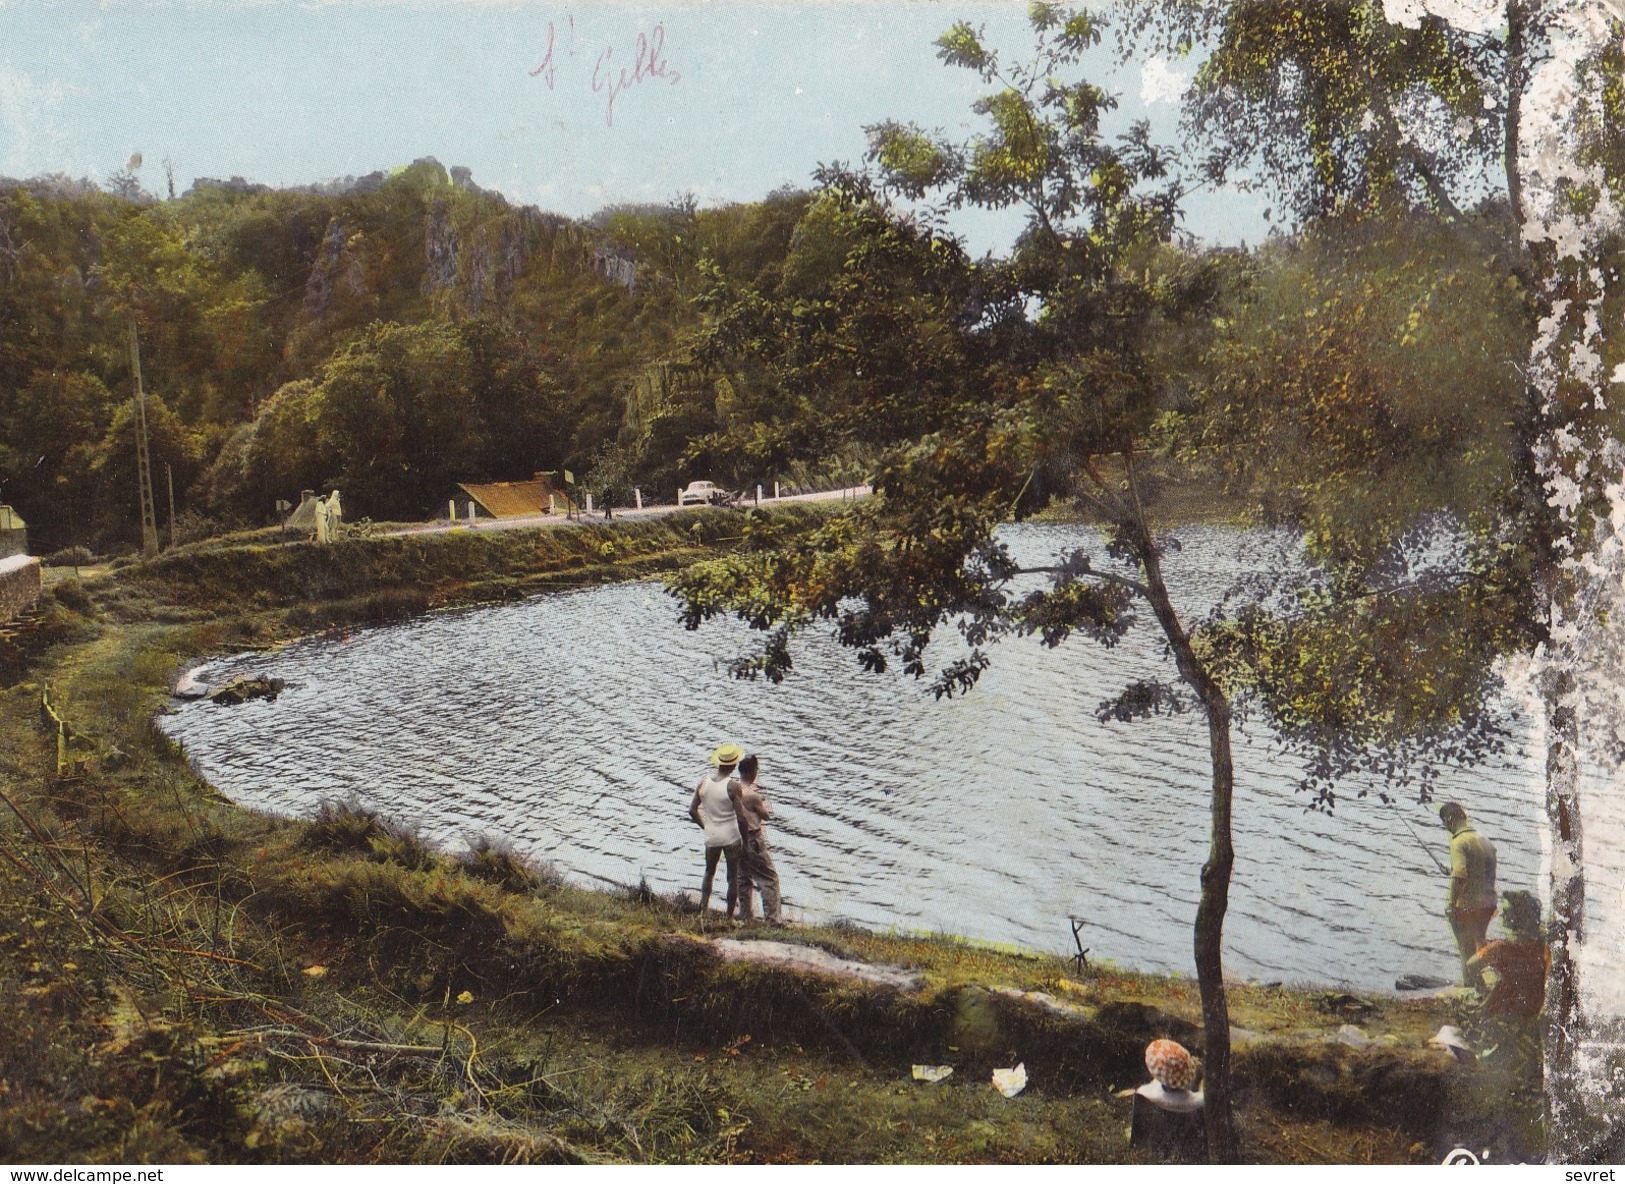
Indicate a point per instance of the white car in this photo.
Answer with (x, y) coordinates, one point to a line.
(698, 492)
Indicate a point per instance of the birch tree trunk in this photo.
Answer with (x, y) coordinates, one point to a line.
(1565, 1103)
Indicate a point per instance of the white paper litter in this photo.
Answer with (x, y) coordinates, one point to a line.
(1010, 1082)
(1450, 1039)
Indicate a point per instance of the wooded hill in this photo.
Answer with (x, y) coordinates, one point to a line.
(413, 331)
(389, 339)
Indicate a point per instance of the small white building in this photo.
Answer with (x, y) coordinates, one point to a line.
(13, 533)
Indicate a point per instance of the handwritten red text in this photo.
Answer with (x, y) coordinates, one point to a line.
(648, 61)
(612, 75)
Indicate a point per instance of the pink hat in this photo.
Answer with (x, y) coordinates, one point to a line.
(1171, 1064)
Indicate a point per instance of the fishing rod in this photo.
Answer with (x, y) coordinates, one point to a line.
(1428, 851)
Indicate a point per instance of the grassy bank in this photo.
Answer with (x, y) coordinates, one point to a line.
(186, 981)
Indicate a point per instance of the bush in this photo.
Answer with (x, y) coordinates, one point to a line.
(498, 864)
(69, 557)
(192, 527)
(71, 594)
(351, 828)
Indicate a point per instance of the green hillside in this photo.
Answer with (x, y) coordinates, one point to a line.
(390, 340)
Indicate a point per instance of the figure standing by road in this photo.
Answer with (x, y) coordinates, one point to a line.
(715, 810)
(1472, 889)
(757, 871)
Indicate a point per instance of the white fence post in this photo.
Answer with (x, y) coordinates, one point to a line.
(589, 503)
(758, 495)
(775, 491)
(451, 509)
(637, 496)
(552, 503)
(471, 511)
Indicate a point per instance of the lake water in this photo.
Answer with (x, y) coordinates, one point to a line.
(574, 726)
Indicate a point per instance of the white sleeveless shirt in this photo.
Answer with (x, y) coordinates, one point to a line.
(717, 813)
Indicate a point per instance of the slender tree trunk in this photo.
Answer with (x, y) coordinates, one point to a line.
(1553, 600)
(1215, 900)
(1552, 594)
(1221, 1133)
(1517, 77)
(1564, 1104)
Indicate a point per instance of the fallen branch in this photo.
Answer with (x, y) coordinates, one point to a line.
(175, 949)
(417, 1050)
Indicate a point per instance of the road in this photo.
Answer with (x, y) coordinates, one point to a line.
(532, 521)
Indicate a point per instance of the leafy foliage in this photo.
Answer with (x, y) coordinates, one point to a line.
(1332, 105)
(389, 340)
(1365, 379)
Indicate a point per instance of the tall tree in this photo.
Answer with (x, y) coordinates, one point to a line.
(396, 409)
(1332, 104)
(1054, 405)
(778, 347)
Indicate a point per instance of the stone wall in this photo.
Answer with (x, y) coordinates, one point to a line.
(19, 585)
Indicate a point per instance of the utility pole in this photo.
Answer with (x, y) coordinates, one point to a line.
(169, 475)
(149, 517)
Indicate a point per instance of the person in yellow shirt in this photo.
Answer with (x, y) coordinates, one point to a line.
(1471, 902)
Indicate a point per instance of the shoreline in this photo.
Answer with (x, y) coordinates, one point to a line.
(185, 681)
(495, 784)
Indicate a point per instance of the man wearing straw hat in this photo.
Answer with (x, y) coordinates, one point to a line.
(716, 810)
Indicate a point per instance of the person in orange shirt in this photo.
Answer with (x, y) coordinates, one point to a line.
(1519, 962)
(1517, 966)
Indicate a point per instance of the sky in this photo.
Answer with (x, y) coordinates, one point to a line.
(550, 104)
